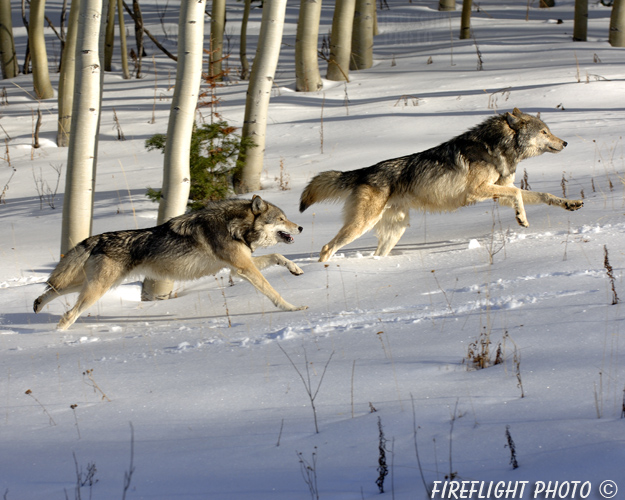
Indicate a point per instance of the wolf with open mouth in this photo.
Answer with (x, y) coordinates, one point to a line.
(187, 247)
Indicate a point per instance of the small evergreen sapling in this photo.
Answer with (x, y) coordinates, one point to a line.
(216, 152)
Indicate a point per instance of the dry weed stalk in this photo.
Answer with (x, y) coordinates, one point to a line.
(610, 273)
(512, 447)
(312, 394)
(309, 473)
(45, 192)
(30, 393)
(118, 127)
(73, 407)
(131, 469)
(525, 181)
(478, 353)
(382, 466)
(96, 388)
(599, 396)
(223, 293)
(284, 178)
(84, 479)
(416, 448)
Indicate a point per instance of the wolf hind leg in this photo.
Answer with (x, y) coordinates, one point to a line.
(363, 210)
(52, 293)
(390, 229)
(104, 275)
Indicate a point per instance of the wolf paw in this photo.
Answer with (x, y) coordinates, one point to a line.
(294, 269)
(37, 305)
(573, 205)
(522, 222)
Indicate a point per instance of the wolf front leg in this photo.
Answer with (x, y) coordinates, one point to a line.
(253, 275)
(506, 195)
(276, 259)
(536, 198)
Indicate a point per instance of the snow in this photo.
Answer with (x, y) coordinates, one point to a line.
(204, 386)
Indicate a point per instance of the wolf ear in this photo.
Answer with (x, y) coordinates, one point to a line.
(258, 205)
(513, 121)
(517, 112)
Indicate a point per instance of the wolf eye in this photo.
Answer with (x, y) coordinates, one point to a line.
(544, 132)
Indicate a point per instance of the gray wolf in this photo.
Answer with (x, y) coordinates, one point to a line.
(475, 166)
(222, 235)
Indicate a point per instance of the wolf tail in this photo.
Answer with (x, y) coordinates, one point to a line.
(71, 268)
(331, 186)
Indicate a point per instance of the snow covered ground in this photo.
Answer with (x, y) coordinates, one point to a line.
(201, 396)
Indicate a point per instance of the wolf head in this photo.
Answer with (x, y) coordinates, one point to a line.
(533, 137)
(271, 225)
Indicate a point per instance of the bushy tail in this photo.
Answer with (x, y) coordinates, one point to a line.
(331, 185)
(71, 268)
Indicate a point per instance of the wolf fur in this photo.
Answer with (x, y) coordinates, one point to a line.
(223, 235)
(475, 166)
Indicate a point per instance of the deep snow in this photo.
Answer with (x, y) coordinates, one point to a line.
(219, 411)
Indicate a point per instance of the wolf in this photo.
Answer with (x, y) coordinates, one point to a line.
(187, 247)
(475, 166)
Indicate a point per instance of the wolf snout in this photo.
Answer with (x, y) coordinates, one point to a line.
(564, 144)
(300, 228)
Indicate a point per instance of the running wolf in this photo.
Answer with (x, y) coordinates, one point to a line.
(222, 235)
(475, 166)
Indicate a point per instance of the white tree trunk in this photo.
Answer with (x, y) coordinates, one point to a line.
(465, 20)
(8, 59)
(109, 42)
(445, 5)
(259, 93)
(176, 171)
(67, 78)
(362, 35)
(38, 54)
(218, 21)
(82, 152)
(617, 24)
(580, 24)
(122, 40)
(245, 65)
(341, 40)
(307, 77)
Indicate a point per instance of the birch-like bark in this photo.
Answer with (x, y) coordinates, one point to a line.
(445, 5)
(67, 78)
(465, 20)
(8, 59)
(341, 40)
(82, 152)
(362, 35)
(218, 21)
(109, 42)
(580, 22)
(245, 65)
(307, 76)
(122, 40)
(259, 94)
(176, 170)
(38, 54)
(617, 24)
